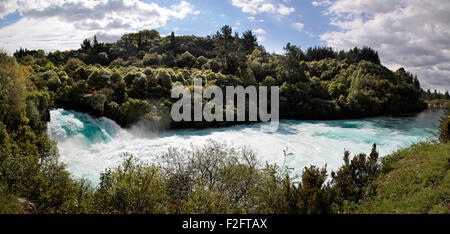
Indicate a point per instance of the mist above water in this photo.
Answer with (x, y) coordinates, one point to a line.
(89, 145)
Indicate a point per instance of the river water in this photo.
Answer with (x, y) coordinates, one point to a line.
(89, 145)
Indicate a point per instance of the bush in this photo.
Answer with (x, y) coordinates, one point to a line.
(280, 195)
(164, 79)
(185, 60)
(132, 188)
(72, 65)
(99, 79)
(53, 83)
(444, 135)
(152, 59)
(212, 179)
(213, 65)
(352, 179)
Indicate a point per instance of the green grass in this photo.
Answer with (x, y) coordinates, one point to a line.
(415, 181)
(10, 205)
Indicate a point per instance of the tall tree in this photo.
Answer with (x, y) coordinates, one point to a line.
(249, 41)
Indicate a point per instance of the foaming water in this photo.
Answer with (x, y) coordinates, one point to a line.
(89, 145)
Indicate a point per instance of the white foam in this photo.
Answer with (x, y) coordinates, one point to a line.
(89, 145)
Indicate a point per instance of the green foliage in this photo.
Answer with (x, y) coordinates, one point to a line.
(132, 188)
(99, 78)
(9, 204)
(12, 92)
(133, 77)
(319, 83)
(269, 81)
(29, 166)
(356, 84)
(153, 59)
(415, 180)
(444, 134)
(185, 60)
(164, 78)
(352, 179)
(72, 65)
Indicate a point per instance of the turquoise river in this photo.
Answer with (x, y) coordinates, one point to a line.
(89, 145)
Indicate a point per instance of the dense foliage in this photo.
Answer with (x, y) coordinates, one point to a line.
(130, 81)
(414, 181)
(29, 166)
(136, 73)
(444, 134)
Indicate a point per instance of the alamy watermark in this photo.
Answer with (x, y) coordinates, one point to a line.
(235, 104)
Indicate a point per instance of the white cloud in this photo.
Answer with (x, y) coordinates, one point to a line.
(260, 31)
(260, 34)
(261, 39)
(321, 3)
(298, 26)
(263, 6)
(52, 21)
(253, 18)
(414, 34)
(7, 7)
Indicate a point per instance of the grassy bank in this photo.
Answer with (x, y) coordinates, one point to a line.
(414, 180)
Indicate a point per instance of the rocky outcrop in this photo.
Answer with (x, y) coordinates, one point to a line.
(96, 102)
(28, 207)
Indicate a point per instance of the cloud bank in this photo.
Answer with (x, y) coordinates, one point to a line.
(414, 34)
(63, 24)
(255, 7)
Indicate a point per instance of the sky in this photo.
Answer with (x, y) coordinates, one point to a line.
(414, 34)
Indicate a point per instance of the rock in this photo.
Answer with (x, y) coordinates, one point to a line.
(96, 102)
(28, 207)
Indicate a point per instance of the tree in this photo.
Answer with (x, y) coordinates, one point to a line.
(13, 92)
(185, 60)
(99, 79)
(356, 84)
(351, 180)
(72, 65)
(164, 79)
(173, 42)
(293, 67)
(95, 41)
(86, 45)
(152, 59)
(132, 188)
(249, 41)
(226, 32)
(314, 196)
(319, 53)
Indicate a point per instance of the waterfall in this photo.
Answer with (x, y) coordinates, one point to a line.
(89, 145)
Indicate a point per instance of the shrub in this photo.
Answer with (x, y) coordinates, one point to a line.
(53, 83)
(352, 179)
(185, 60)
(444, 135)
(212, 179)
(99, 79)
(132, 188)
(72, 65)
(152, 59)
(164, 79)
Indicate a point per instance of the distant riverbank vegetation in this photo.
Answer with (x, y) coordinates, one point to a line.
(129, 81)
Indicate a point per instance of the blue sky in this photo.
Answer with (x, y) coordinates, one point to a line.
(279, 31)
(413, 34)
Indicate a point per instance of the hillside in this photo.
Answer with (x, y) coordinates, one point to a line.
(136, 73)
(320, 84)
(415, 181)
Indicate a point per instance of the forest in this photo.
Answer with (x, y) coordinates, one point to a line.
(129, 81)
